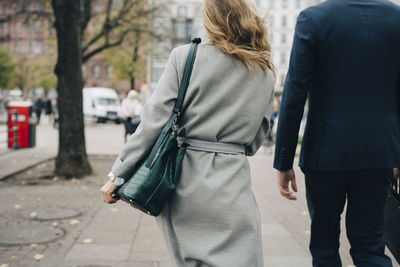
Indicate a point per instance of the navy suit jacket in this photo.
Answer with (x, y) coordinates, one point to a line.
(346, 61)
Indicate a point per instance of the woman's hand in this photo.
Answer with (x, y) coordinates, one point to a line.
(106, 192)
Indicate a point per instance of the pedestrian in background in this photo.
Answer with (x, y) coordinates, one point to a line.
(38, 106)
(212, 219)
(131, 109)
(54, 110)
(346, 60)
(47, 109)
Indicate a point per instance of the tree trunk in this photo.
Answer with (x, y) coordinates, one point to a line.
(132, 82)
(135, 56)
(72, 160)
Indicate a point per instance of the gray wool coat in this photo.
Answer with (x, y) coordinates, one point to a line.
(213, 218)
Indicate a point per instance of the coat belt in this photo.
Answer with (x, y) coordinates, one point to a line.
(213, 147)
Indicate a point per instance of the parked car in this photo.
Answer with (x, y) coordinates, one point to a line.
(102, 105)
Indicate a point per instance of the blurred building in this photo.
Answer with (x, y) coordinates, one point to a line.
(175, 23)
(281, 17)
(33, 36)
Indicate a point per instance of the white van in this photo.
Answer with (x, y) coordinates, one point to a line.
(102, 105)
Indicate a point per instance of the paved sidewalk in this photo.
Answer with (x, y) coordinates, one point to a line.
(117, 235)
(101, 139)
(102, 235)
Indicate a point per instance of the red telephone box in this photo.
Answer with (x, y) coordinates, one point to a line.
(21, 132)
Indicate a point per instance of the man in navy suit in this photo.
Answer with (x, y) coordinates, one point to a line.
(346, 61)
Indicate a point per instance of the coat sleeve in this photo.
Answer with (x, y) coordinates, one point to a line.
(154, 116)
(252, 148)
(298, 80)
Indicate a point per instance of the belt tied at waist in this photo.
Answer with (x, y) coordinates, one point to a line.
(215, 147)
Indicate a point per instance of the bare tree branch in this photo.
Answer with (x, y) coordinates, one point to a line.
(86, 14)
(87, 56)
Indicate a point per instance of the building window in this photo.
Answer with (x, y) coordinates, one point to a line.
(30, 26)
(283, 58)
(38, 7)
(30, 8)
(272, 4)
(30, 49)
(38, 48)
(5, 10)
(284, 21)
(17, 28)
(96, 71)
(38, 27)
(283, 39)
(16, 46)
(182, 11)
(298, 3)
(51, 48)
(97, 7)
(18, 8)
(110, 71)
(284, 3)
(83, 71)
(4, 28)
(180, 30)
(271, 21)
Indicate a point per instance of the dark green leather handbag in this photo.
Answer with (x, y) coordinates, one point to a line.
(151, 185)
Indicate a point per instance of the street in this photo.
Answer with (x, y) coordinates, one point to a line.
(50, 221)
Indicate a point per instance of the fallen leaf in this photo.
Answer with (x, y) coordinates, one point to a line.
(34, 245)
(23, 182)
(4, 265)
(33, 214)
(84, 187)
(73, 222)
(54, 224)
(87, 241)
(38, 257)
(29, 172)
(17, 206)
(38, 199)
(74, 180)
(55, 178)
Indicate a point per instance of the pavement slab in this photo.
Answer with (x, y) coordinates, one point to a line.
(117, 235)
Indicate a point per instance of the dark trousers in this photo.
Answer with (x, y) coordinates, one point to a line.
(366, 193)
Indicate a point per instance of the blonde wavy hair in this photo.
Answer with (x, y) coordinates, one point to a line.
(237, 29)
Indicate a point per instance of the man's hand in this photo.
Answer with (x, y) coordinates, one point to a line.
(284, 178)
(106, 192)
(396, 173)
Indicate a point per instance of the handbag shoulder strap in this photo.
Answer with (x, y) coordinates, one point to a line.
(178, 104)
(186, 75)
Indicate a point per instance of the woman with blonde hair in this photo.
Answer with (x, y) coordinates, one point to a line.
(212, 219)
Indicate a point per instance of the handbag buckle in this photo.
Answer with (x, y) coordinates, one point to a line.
(176, 118)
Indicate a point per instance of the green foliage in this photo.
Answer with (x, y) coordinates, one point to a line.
(7, 68)
(34, 73)
(121, 59)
